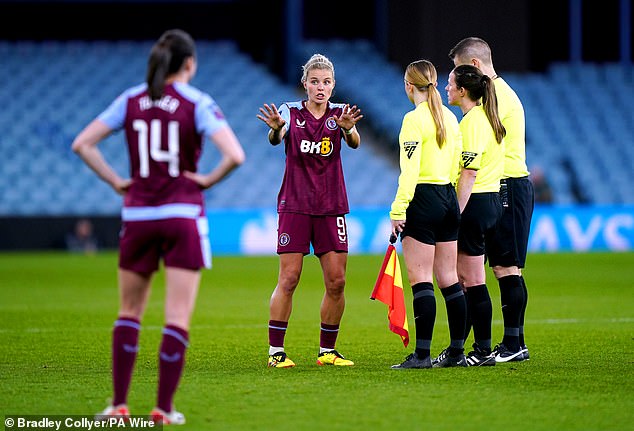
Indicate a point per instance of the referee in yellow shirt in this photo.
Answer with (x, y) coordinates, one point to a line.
(482, 166)
(425, 212)
(508, 252)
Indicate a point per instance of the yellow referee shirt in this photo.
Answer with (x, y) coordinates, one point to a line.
(511, 114)
(421, 160)
(480, 151)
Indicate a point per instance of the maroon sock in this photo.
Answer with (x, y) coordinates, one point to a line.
(328, 335)
(125, 345)
(277, 331)
(171, 361)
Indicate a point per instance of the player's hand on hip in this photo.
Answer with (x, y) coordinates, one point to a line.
(121, 186)
(203, 181)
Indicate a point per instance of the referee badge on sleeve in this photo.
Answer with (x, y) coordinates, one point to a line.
(468, 157)
(409, 148)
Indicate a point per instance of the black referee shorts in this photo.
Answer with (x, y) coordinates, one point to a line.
(478, 224)
(510, 243)
(433, 215)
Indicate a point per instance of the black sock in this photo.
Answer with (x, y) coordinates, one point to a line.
(481, 311)
(456, 317)
(424, 316)
(512, 299)
(523, 311)
(468, 323)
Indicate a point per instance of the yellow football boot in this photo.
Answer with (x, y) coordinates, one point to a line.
(280, 360)
(333, 357)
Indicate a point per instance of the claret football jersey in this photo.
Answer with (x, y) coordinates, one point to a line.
(165, 137)
(313, 181)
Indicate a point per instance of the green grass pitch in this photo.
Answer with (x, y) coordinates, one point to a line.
(57, 311)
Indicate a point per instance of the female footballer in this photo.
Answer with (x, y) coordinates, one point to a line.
(312, 204)
(165, 121)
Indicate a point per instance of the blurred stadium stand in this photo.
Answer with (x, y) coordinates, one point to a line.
(579, 130)
(63, 85)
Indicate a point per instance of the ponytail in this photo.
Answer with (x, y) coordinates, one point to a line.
(422, 74)
(158, 65)
(435, 106)
(490, 104)
(166, 58)
(480, 86)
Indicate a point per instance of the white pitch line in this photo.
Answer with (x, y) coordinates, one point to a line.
(529, 322)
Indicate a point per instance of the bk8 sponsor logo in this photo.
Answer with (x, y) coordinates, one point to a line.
(323, 147)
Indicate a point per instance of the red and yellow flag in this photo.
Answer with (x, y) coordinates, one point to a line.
(389, 290)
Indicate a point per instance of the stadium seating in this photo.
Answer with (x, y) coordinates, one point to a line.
(63, 85)
(578, 129)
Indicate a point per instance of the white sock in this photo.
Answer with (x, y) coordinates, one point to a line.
(274, 350)
(325, 349)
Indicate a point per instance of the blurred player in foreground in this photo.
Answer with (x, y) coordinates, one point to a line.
(165, 121)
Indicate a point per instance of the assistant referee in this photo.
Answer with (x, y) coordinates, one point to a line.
(426, 213)
(507, 255)
(482, 166)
